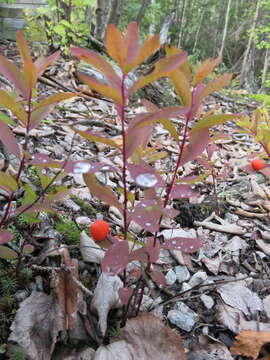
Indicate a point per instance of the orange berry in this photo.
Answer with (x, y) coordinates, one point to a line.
(99, 230)
(257, 164)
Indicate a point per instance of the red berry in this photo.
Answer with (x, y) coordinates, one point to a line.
(257, 164)
(99, 230)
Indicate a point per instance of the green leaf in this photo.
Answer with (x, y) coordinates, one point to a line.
(95, 137)
(7, 253)
(7, 182)
(212, 120)
(6, 101)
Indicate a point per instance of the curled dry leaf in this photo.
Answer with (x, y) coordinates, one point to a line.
(36, 325)
(249, 343)
(106, 297)
(144, 337)
(90, 250)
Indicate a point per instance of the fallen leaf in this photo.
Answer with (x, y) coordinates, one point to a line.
(91, 251)
(144, 337)
(36, 325)
(106, 297)
(240, 297)
(249, 343)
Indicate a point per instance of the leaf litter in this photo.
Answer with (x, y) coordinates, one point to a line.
(43, 318)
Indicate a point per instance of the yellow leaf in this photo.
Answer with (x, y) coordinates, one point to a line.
(8, 102)
(215, 85)
(95, 137)
(103, 89)
(205, 69)
(181, 86)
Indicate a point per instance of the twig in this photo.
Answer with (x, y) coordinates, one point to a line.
(197, 287)
(67, 271)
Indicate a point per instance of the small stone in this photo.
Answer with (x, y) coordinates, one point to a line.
(182, 273)
(185, 287)
(198, 278)
(208, 302)
(83, 220)
(170, 277)
(183, 317)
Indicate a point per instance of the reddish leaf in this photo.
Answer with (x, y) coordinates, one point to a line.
(38, 115)
(99, 63)
(42, 63)
(103, 193)
(197, 144)
(101, 88)
(132, 42)
(116, 258)
(136, 137)
(145, 175)
(147, 213)
(187, 245)
(147, 252)
(5, 236)
(183, 191)
(85, 166)
(42, 159)
(9, 139)
(158, 277)
(14, 75)
(125, 294)
(168, 112)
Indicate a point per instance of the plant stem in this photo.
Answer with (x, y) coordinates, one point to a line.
(181, 149)
(124, 168)
(22, 161)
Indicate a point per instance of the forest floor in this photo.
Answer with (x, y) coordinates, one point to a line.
(210, 296)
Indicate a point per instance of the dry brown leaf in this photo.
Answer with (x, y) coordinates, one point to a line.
(210, 352)
(249, 343)
(106, 297)
(36, 325)
(263, 245)
(144, 337)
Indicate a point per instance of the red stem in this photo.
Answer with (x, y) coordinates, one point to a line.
(124, 168)
(25, 146)
(181, 149)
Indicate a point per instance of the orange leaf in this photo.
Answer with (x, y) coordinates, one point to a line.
(115, 45)
(181, 86)
(162, 69)
(149, 47)
(205, 69)
(103, 89)
(215, 85)
(249, 343)
(23, 47)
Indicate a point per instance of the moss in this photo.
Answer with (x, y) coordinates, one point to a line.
(87, 208)
(68, 229)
